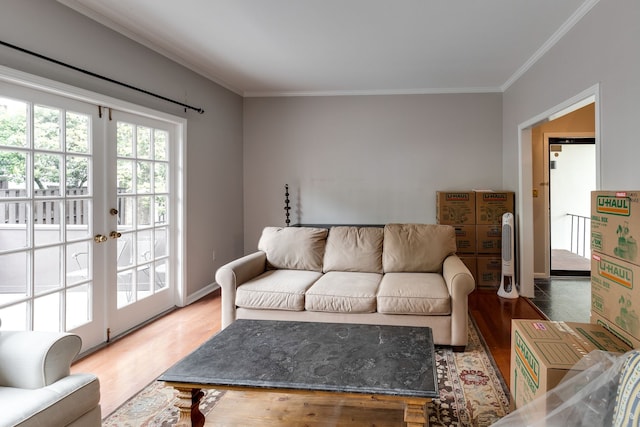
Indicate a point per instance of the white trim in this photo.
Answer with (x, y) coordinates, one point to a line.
(555, 38)
(426, 91)
(525, 183)
(201, 293)
(67, 91)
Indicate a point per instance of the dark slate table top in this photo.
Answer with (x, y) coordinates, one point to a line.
(348, 358)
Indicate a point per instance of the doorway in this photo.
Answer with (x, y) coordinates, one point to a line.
(572, 177)
(533, 238)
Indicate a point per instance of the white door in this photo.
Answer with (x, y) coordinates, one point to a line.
(142, 150)
(48, 214)
(87, 223)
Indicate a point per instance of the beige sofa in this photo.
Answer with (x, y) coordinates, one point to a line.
(402, 274)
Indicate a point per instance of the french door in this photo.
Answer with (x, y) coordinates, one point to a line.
(86, 220)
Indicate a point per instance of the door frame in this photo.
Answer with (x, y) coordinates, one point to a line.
(20, 78)
(525, 181)
(547, 190)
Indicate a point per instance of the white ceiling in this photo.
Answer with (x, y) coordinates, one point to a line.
(324, 47)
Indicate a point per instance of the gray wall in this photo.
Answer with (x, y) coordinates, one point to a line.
(214, 147)
(365, 159)
(601, 49)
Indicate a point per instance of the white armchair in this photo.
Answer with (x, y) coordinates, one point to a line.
(36, 385)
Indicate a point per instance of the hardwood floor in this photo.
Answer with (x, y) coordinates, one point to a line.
(127, 365)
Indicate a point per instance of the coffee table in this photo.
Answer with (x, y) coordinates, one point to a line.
(351, 360)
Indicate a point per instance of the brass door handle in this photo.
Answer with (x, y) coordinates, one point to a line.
(100, 238)
(115, 234)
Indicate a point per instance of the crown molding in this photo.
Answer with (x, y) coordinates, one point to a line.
(421, 91)
(555, 38)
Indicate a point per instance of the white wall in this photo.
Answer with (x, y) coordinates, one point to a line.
(601, 49)
(365, 159)
(214, 147)
(571, 182)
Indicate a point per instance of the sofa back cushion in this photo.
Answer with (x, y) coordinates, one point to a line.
(357, 249)
(293, 248)
(417, 248)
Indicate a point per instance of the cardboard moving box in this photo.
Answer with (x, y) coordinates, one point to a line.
(615, 224)
(489, 238)
(491, 205)
(543, 352)
(465, 239)
(615, 292)
(456, 207)
(489, 272)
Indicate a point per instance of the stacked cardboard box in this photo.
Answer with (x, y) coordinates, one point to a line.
(477, 218)
(543, 352)
(615, 263)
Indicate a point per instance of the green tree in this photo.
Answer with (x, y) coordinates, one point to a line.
(48, 131)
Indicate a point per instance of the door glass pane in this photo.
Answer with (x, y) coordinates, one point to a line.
(144, 211)
(143, 177)
(78, 306)
(124, 143)
(160, 144)
(78, 215)
(46, 174)
(78, 262)
(14, 284)
(77, 133)
(125, 176)
(160, 210)
(14, 317)
(160, 178)
(144, 249)
(144, 282)
(77, 177)
(46, 312)
(47, 229)
(46, 269)
(13, 123)
(160, 274)
(126, 209)
(13, 225)
(46, 128)
(125, 287)
(143, 143)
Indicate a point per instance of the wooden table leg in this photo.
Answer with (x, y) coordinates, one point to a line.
(415, 413)
(188, 403)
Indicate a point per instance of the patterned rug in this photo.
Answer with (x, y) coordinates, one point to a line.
(472, 393)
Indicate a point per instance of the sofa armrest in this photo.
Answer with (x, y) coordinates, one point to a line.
(232, 275)
(34, 359)
(457, 276)
(460, 283)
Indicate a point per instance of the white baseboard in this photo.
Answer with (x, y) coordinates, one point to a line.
(201, 293)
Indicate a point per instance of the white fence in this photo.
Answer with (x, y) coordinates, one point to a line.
(46, 206)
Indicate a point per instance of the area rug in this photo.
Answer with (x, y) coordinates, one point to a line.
(472, 393)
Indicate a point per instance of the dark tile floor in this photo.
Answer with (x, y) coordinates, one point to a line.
(564, 298)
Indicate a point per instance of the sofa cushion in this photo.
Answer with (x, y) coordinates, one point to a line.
(293, 248)
(417, 248)
(276, 290)
(58, 404)
(413, 293)
(344, 292)
(354, 249)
